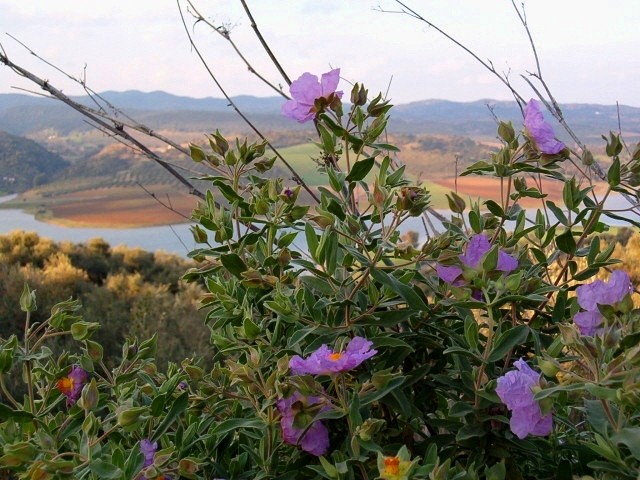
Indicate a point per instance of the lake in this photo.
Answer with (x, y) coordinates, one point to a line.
(177, 238)
(171, 238)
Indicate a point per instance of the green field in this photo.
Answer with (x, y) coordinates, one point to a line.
(300, 157)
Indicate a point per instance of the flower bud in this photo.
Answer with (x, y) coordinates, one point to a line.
(28, 299)
(131, 416)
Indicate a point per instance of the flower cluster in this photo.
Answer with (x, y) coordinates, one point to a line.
(310, 96)
(539, 130)
(71, 385)
(599, 293)
(477, 248)
(298, 411)
(515, 389)
(325, 362)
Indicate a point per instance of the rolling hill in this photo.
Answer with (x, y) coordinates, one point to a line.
(27, 115)
(25, 164)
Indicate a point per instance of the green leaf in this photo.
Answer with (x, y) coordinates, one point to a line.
(566, 243)
(234, 264)
(405, 291)
(559, 214)
(286, 239)
(234, 424)
(178, 407)
(312, 240)
(613, 175)
(470, 431)
(391, 342)
(630, 437)
(105, 469)
(360, 169)
(378, 394)
(507, 340)
(490, 260)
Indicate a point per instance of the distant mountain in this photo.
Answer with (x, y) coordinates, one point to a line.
(589, 121)
(24, 115)
(25, 164)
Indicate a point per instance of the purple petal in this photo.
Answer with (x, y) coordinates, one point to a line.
(316, 439)
(598, 292)
(448, 274)
(306, 88)
(325, 362)
(297, 111)
(329, 82)
(618, 287)
(506, 263)
(514, 388)
(148, 449)
(476, 248)
(312, 365)
(539, 130)
(515, 391)
(529, 421)
(588, 322)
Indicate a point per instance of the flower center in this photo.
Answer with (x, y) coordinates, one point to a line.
(391, 465)
(334, 357)
(65, 384)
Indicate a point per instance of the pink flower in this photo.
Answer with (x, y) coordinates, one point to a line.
(71, 385)
(515, 391)
(325, 362)
(599, 293)
(477, 248)
(306, 90)
(316, 439)
(148, 449)
(540, 131)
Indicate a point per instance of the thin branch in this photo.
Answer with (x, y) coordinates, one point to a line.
(166, 205)
(226, 34)
(296, 177)
(114, 128)
(406, 10)
(264, 43)
(102, 110)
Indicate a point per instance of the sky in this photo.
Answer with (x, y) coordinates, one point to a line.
(588, 49)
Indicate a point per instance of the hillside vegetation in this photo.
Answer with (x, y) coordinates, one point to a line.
(130, 292)
(25, 164)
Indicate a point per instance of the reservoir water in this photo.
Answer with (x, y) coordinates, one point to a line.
(177, 238)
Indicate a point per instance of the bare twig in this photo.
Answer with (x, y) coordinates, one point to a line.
(406, 10)
(226, 34)
(233, 105)
(166, 204)
(264, 43)
(114, 128)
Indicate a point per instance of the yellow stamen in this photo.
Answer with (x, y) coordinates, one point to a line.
(65, 384)
(391, 465)
(335, 356)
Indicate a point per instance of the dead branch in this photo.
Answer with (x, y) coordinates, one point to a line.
(225, 33)
(233, 105)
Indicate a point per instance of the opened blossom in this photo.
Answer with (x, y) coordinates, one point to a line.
(515, 390)
(316, 438)
(477, 248)
(306, 90)
(540, 131)
(71, 385)
(325, 361)
(599, 293)
(148, 449)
